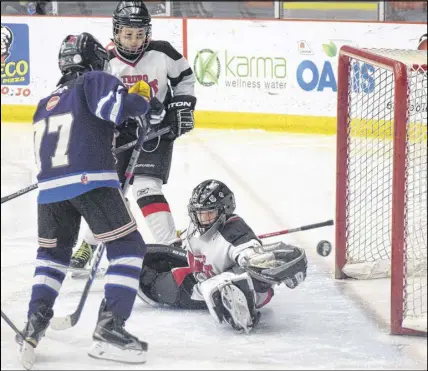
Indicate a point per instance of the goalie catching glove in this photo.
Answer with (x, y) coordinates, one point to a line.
(179, 115)
(276, 263)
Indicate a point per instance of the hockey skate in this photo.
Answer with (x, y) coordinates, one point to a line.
(81, 259)
(240, 311)
(112, 342)
(33, 332)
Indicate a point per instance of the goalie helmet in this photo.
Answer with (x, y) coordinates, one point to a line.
(132, 28)
(211, 200)
(82, 53)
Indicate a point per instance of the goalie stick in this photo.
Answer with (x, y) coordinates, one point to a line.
(63, 323)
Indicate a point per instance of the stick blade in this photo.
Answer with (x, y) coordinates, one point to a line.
(61, 323)
(27, 356)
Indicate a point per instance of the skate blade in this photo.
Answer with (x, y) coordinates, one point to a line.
(27, 355)
(79, 273)
(109, 352)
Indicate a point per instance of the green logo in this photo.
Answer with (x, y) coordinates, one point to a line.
(207, 67)
(330, 49)
(240, 71)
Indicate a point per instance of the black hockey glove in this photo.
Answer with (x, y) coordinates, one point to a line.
(155, 116)
(156, 111)
(179, 116)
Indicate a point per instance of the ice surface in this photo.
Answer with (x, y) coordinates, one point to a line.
(280, 181)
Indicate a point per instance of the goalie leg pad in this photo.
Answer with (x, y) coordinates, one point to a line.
(232, 299)
(235, 302)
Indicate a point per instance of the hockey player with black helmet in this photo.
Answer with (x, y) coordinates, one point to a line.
(74, 128)
(134, 56)
(224, 266)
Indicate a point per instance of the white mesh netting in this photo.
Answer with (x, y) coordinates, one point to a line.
(370, 173)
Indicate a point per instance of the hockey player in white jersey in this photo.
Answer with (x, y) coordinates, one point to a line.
(134, 57)
(223, 267)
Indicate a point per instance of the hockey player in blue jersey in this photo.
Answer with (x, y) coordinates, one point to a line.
(74, 131)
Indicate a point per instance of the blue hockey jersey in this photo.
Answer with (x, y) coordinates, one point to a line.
(74, 135)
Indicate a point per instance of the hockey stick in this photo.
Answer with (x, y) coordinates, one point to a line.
(19, 193)
(10, 323)
(34, 186)
(63, 323)
(298, 229)
(27, 349)
(287, 231)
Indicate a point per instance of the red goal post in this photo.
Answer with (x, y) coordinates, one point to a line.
(381, 184)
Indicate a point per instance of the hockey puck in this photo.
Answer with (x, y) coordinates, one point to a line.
(324, 248)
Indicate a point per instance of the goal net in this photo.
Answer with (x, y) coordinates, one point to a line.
(381, 194)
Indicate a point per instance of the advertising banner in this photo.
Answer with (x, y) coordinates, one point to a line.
(282, 67)
(15, 60)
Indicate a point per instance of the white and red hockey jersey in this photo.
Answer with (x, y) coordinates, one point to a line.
(216, 251)
(161, 66)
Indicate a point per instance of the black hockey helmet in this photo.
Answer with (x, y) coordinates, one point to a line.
(210, 201)
(132, 14)
(82, 53)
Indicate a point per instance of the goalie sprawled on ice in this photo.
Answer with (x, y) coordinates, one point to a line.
(222, 266)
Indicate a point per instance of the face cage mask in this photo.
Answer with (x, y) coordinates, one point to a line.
(203, 228)
(73, 62)
(133, 53)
